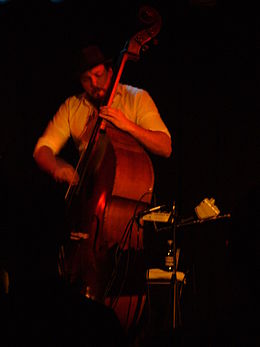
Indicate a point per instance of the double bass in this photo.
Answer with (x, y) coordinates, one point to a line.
(116, 181)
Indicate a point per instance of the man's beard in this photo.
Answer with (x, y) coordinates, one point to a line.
(95, 98)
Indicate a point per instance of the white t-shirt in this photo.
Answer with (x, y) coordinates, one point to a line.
(72, 117)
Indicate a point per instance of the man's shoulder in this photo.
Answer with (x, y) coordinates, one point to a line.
(73, 101)
(75, 98)
(131, 90)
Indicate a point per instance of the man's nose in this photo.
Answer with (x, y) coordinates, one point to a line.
(94, 81)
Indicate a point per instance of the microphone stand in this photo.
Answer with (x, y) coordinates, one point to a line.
(174, 274)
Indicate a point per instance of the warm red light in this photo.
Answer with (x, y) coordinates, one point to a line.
(101, 202)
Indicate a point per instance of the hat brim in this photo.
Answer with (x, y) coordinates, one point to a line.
(86, 67)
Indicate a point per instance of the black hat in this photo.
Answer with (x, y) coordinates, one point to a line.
(90, 57)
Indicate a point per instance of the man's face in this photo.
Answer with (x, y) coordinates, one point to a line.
(96, 81)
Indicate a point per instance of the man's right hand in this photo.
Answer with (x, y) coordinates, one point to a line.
(65, 172)
(55, 166)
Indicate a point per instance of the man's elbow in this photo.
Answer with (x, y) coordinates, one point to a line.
(167, 152)
(167, 148)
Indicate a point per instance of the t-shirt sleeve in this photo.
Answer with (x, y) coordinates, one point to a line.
(57, 131)
(148, 115)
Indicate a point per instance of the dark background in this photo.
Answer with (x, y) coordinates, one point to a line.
(203, 76)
